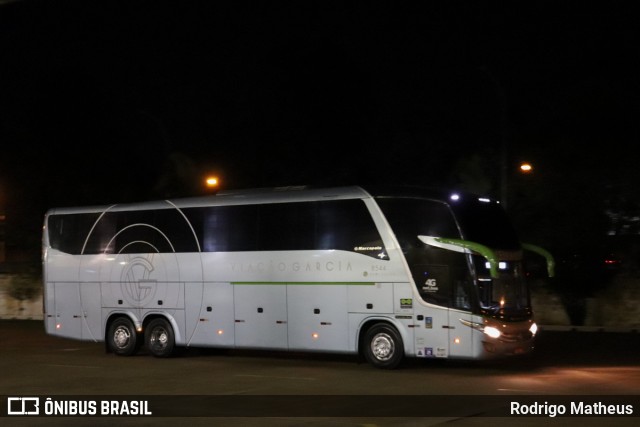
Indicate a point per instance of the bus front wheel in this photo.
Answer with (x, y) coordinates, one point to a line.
(159, 338)
(122, 337)
(383, 346)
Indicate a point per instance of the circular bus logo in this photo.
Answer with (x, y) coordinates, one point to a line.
(135, 281)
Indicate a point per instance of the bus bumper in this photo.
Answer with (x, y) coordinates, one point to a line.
(494, 348)
(514, 340)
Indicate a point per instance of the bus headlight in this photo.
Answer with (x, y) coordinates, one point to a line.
(533, 329)
(491, 331)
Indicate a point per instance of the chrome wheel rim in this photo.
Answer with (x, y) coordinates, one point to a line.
(382, 347)
(121, 337)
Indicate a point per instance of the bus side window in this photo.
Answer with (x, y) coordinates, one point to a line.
(443, 280)
(67, 233)
(284, 227)
(328, 225)
(441, 276)
(225, 228)
(433, 283)
(347, 225)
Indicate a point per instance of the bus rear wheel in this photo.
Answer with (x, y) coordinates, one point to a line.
(383, 346)
(122, 336)
(159, 338)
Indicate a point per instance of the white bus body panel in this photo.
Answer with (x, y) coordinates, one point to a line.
(246, 314)
(300, 300)
(261, 316)
(210, 314)
(318, 318)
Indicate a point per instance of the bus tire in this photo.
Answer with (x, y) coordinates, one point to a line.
(383, 347)
(159, 338)
(122, 337)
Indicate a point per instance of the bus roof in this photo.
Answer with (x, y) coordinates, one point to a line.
(231, 197)
(268, 195)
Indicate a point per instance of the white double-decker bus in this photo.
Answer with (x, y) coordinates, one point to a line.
(385, 274)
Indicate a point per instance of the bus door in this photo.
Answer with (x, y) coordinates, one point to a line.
(444, 284)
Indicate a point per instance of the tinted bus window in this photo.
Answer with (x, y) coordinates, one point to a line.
(346, 225)
(410, 218)
(286, 226)
(226, 228)
(441, 276)
(486, 223)
(67, 233)
(146, 231)
(339, 225)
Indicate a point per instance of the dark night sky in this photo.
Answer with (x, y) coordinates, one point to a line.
(99, 102)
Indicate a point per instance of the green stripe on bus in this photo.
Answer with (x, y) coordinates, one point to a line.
(305, 283)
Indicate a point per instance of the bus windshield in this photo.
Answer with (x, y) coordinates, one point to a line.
(484, 221)
(455, 278)
(506, 295)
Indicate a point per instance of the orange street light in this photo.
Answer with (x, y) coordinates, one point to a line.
(525, 167)
(212, 181)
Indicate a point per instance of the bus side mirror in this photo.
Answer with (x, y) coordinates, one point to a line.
(551, 264)
(464, 246)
